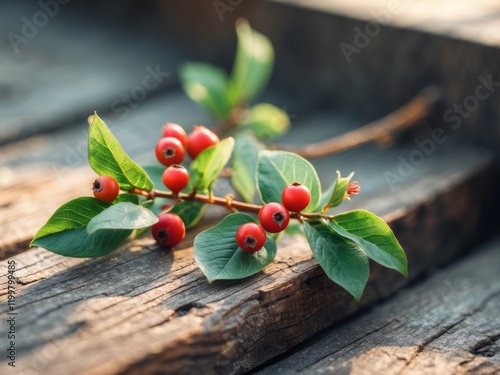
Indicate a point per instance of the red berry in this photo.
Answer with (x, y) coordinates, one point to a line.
(105, 188)
(200, 139)
(175, 178)
(171, 129)
(169, 231)
(274, 217)
(251, 237)
(296, 197)
(169, 150)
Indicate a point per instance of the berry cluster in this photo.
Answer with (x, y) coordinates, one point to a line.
(170, 230)
(273, 217)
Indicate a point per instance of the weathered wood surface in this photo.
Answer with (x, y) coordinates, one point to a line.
(477, 22)
(78, 61)
(143, 310)
(447, 324)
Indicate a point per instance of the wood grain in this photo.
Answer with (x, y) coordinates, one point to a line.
(446, 324)
(142, 310)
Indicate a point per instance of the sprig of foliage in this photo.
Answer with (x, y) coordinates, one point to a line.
(342, 243)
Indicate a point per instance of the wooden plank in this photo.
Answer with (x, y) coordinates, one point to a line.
(142, 310)
(446, 324)
(48, 81)
(477, 22)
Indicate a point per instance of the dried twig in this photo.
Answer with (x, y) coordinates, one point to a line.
(380, 130)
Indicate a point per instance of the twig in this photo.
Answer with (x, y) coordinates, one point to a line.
(379, 131)
(227, 202)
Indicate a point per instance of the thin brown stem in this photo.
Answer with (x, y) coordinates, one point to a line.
(380, 130)
(227, 202)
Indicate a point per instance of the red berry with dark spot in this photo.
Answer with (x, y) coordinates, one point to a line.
(171, 129)
(169, 150)
(105, 189)
(296, 197)
(175, 178)
(200, 139)
(169, 231)
(274, 217)
(251, 237)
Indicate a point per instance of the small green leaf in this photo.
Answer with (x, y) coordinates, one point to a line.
(219, 256)
(123, 215)
(208, 86)
(209, 164)
(278, 169)
(244, 165)
(106, 157)
(336, 192)
(342, 259)
(66, 233)
(190, 212)
(252, 66)
(266, 121)
(374, 236)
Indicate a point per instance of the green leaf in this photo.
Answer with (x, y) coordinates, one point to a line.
(190, 212)
(266, 121)
(209, 164)
(219, 256)
(252, 66)
(244, 165)
(342, 259)
(278, 169)
(123, 215)
(374, 236)
(336, 192)
(106, 157)
(66, 233)
(208, 86)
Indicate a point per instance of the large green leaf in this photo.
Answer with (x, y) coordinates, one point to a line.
(66, 233)
(219, 256)
(336, 192)
(123, 215)
(278, 169)
(244, 165)
(106, 157)
(252, 66)
(208, 86)
(342, 259)
(266, 121)
(209, 164)
(374, 236)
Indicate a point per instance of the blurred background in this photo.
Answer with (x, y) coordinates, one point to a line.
(63, 60)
